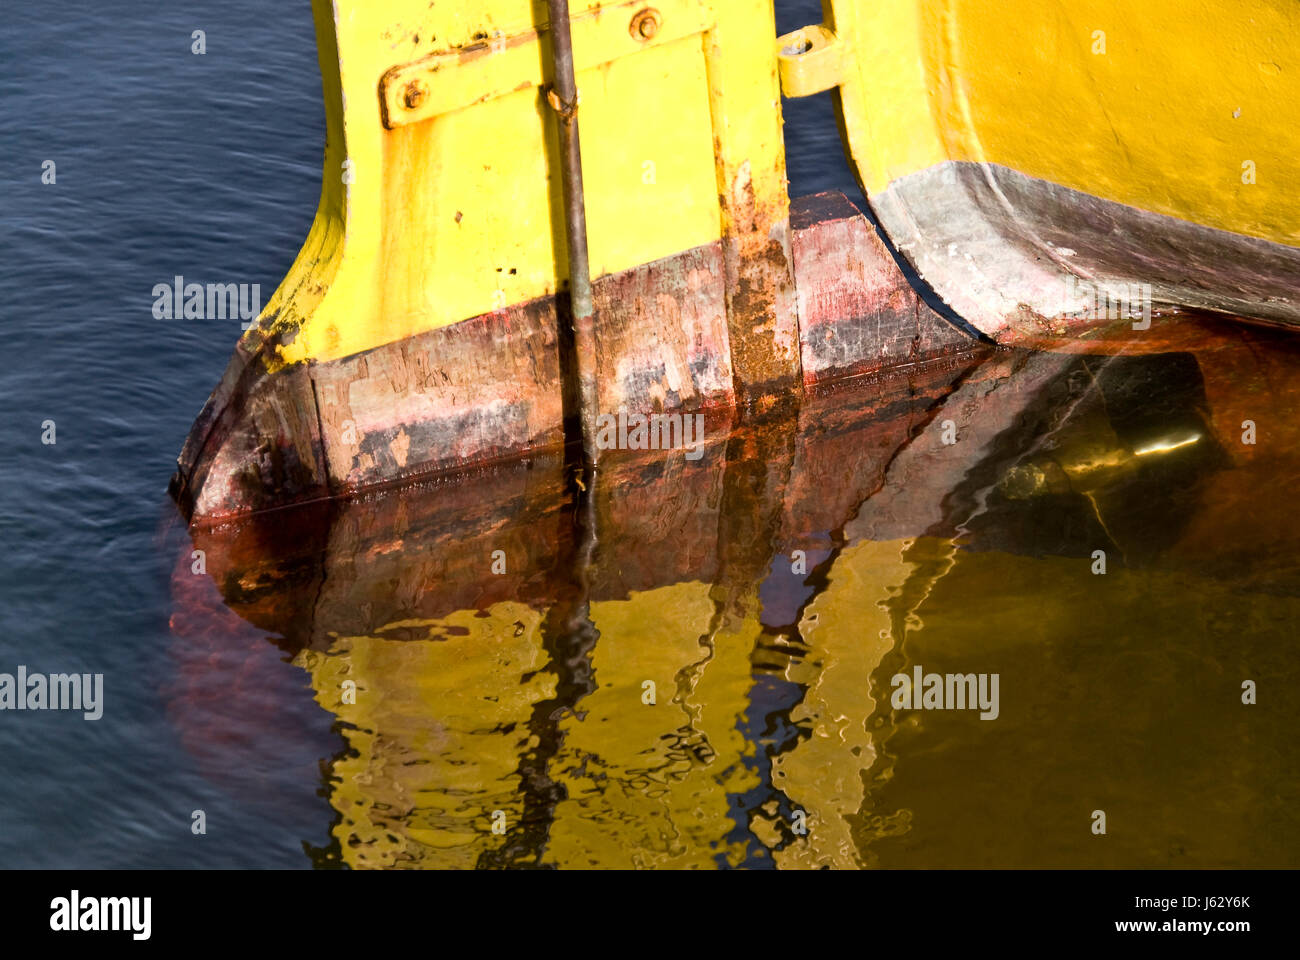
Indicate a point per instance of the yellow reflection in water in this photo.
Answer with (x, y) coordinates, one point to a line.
(434, 735)
(848, 630)
(648, 784)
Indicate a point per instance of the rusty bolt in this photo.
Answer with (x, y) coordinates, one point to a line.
(645, 24)
(413, 94)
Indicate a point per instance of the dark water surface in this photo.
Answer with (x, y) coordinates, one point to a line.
(475, 701)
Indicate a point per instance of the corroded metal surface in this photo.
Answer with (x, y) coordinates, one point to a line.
(563, 98)
(419, 551)
(471, 392)
(867, 459)
(857, 312)
(494, 386)
(751, 187)
(763, 328)
(256, 445)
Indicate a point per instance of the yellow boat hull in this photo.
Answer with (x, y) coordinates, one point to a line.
(1044, 165)
(1048, 170)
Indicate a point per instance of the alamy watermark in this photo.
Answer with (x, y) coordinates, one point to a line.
(946, 691)
(1098, 301)
(75, 913)
(179, 300)
(57, 691)
(656, 431)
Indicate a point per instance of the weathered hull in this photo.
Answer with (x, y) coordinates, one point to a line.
(425, 324)
(1046, 167)
(436, 600)
(1088, 189)
(494, 386)
(1022, 258)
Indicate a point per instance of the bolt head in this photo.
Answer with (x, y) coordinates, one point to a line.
(645, 25)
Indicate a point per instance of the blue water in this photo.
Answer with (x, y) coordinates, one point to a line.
(167, 163)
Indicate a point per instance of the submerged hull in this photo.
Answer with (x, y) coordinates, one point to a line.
(465, 707)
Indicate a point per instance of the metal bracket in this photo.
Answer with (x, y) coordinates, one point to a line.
(460, 78)
(810, 60)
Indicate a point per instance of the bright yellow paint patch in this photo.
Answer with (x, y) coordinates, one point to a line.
(456, 214)
(1164, 105)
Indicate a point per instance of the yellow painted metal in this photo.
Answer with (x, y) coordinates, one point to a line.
(811, 60)
(504, 64)
(1187, 108)
(451, 208)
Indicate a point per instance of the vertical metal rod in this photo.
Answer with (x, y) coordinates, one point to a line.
(564, 99)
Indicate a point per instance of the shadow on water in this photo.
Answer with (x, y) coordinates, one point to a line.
(1091, 528)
